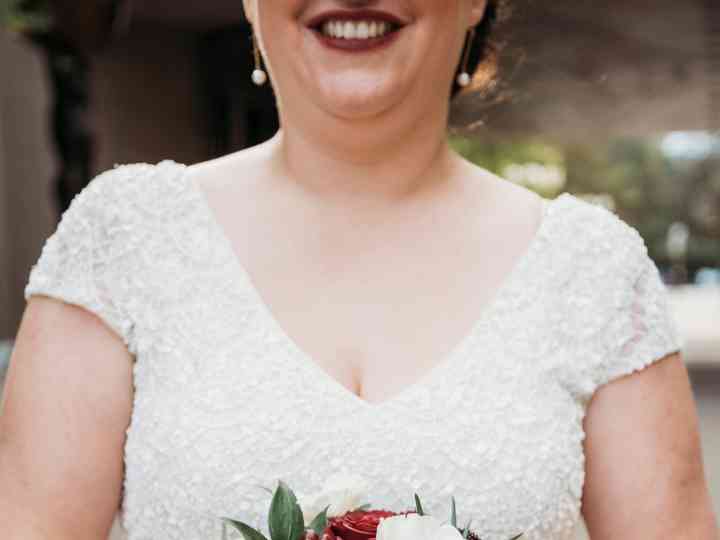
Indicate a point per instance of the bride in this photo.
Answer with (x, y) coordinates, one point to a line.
(350, 296)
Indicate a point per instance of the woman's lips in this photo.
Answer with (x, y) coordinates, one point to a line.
(316, 23)
(357, 44)
(355, 15)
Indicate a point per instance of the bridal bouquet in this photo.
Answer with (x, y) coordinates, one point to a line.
(335, 513)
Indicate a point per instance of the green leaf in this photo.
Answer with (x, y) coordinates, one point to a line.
(285, 520)
(418, 506)
(319, 522)
(363, 506)
(246, 530)
(453, 514)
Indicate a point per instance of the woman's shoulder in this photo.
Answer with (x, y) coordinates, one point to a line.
(109, 242)
(118, 212)
(124, 180)
(128, 195)
(592, 230)
(609, 295)
(592, 262)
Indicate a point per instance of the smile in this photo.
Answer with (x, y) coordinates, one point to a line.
(356, 31)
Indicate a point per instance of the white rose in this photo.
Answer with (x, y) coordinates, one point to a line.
(416, 527)
(341, 491)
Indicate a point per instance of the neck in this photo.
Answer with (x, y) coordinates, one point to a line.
(361, 159)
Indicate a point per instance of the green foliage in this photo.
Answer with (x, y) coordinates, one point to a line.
(648, 189)
(285, 521)
(320, 522)
(496, 156)
(25, 15)
(453, 514)
(248, 532)
(418, 506)
(285, 518)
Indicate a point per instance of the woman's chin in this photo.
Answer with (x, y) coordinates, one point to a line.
(357, 102)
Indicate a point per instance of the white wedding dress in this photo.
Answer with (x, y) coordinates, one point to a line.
(226, 402)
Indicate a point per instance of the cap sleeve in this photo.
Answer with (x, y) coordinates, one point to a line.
(84, 261)
(639, 327)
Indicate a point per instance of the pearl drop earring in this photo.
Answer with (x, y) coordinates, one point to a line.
(259, 77)
(463, 78)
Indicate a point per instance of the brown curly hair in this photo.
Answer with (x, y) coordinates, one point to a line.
(484, 54)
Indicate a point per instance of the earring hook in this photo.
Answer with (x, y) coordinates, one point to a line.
(259, 77)
(463, 78)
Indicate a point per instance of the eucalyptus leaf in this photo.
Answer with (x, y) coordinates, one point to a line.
(246, 530)
(285, 519)
(319, 522)
(453, 514)
(418, 506)
(363, 506)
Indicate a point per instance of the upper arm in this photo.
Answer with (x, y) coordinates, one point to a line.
(63, 419)
(644, 467)
(644, 476)
(68, 395)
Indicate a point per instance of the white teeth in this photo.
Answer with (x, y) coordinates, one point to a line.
(373, 30)
(355, 29)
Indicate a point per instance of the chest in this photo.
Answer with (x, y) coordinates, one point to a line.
(374, 312)
(372, 332)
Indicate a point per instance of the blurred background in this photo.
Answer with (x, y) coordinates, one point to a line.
(617, 102)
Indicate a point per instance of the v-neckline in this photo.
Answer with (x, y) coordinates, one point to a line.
(305, 361)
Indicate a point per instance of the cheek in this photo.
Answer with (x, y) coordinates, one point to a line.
(442, 40)
(282, 11)
(444, 21)
(281, 33)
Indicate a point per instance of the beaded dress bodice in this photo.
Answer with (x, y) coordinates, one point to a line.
(225, 402)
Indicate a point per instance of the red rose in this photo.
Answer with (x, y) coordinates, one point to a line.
(357, 524)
